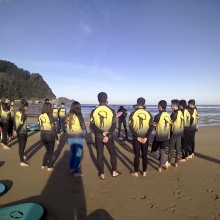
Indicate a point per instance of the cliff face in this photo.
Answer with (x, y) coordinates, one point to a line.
(18, 83)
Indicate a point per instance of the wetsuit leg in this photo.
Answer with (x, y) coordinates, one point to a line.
(185, 145)
(163, 146)
(100, 157)
(48, 140)
(10, 127)
(172, 145)
(119, 127)
(125, 128)
(5, 133)
(178, 145)
(192, 142)
(136, 148)
(144, 149)
(22, 140)
(111, 149)
(62, 125)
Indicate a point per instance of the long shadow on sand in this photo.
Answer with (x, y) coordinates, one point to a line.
(31, 151)
(211, 159)
(63, 196)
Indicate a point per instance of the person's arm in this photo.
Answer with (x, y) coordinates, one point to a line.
(134, 133)
(52, 123)
(174, 116)
(82, 124)
(151, 127)
(93, 125)
(114, 124)
(5, 108)
(157, 119)
(191, 111)
(23, 120)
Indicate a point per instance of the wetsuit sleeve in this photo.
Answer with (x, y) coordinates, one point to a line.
(151, 127)
(191, 111)
(114, 123)
(134, 133)
(5, 108)
(157, 118)
(174, 116)
(92, 124)
(23, 120)
(53, 126)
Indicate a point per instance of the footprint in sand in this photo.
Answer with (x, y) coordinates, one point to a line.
(216, 197)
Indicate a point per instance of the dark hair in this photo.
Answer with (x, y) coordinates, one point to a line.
(121, 106)
(192, 102)
(23, 104)
(183, 103)
(175, 102)
(163, 104)
(3, 100)
(75, 108)
(141, 101)
(102, 97)
(46, 100)
(62, 103)
(47, 108)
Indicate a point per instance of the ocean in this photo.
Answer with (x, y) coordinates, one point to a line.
(209, 115)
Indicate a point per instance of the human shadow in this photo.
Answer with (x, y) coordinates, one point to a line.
(99, 214)
(8, 184)
(2, 163)
(208, 158)
(31, 151)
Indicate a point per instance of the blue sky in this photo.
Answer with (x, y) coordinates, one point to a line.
(158, 49)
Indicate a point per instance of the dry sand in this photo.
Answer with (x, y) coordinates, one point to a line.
(189, 192)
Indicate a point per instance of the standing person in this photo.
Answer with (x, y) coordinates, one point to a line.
(20, 127)
(62, 116)
(46, 100)
(11, 119)
(193, 125)
(177, 130)
(5, 111)
(162, 123)
(141, 126)
(56, 117)
(48, 134)
(76, 131)
(186, 151)
(103, 122)
(122, 120)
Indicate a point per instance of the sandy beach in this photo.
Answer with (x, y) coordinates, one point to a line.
(189, 192)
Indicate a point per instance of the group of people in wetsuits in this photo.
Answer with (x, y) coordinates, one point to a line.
(171, 131)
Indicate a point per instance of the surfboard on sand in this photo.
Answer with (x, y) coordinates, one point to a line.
(33, 127)
(23, 211)
(119, 114)
(2, 189)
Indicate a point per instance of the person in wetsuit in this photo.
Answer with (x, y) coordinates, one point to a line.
(193, 125)
(76, 131)
(186, 151)
(56, 117)
(48, 134)
(20, 130)
(122, 120)
(177, 129)
(5, 111)
(141, 126)
(62, 116)
(11, 119)
(103, 123)
(162, 122)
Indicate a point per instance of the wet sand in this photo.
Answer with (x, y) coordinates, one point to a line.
(189, 192)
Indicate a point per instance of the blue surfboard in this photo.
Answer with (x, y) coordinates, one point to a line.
(2, 189)
(33, 127)
(23, 211)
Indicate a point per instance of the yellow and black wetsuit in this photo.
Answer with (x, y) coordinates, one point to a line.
(193, 128)
(5, 122)
(122, 120)
(103, 119)
(56, 114)
(141, 126)
(177, 131)
(186, 150)
(162, 122)
(48, 136)
(11, 121)
(62, 116)
(20, 125)
(75, 126)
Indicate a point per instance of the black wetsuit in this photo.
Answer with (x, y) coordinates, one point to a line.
(122, 120)
(103, 119)
(5, 123)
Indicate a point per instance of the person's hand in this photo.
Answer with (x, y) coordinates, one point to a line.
(15, 134)
(105, 133)
(144, 140)
(139, 139)
(58, 142)
(105, 140)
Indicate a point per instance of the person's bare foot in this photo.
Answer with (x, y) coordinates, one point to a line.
(190, 156)
(50, 169)
(135, 174)
(24, 164)
(166, 166)
(102, 176)
(145, 173)
(169, 164)
(159, 169)
(43, 167)
(5, 147)
(78, 174)
(115, 174)
(176, 165)
(193, 155)
(182, 160)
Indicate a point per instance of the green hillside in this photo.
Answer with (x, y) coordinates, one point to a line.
(17, 83)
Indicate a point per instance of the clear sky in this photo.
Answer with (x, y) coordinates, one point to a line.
(158, 49)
